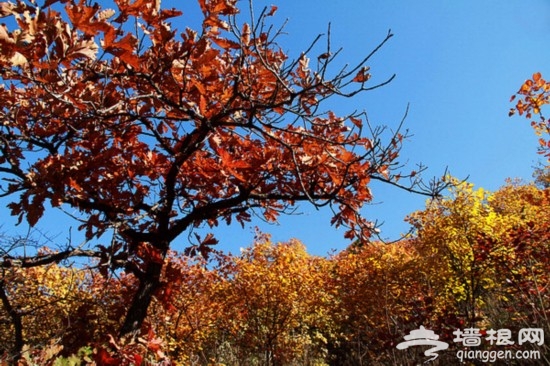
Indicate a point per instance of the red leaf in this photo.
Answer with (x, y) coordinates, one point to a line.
(127, 43)
(149, 253)
(138, 359)
(226, 43)
(169, 13)
(357, 121)
(363, 75)
(209, 240)
(103, 358)
(123, 49)
(272, 11)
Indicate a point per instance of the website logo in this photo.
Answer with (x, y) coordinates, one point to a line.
(470, 338)
(424, 337)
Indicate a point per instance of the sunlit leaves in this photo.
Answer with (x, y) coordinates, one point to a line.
(74, 307)
(477, 244)
(268, 300)
(533, 95)
(378, 292)
(275, 299)
(477, 258)
(147, 131)
(141, 104)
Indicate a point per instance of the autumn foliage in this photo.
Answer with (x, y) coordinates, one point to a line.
(143, 132)
(533, 95)
(477, 258)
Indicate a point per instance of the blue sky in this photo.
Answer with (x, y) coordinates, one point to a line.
(457, 64)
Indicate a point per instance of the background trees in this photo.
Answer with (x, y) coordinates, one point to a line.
(477, 259)
(276, 306)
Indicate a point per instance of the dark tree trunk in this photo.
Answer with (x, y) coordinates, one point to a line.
(148, 284)
(16, 322)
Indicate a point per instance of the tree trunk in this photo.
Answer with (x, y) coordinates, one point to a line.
(16, 322)
(148, 284)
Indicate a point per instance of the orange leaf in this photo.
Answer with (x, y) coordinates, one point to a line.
(74, 185)
(363, 75)
(225, 43)
(272, 11)
(356, 121)
(86, 49)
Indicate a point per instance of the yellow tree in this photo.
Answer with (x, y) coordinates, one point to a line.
(452, 234)
(276, 309)
(66, 306)
(523, 273)
(481, 248)
(380, 295)
(188, 307)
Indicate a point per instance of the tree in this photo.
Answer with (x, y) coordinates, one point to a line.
(478, 258)
(459, 236)
(542, 175)
(376, 299)
(276, 309)
(186, 312)
(533, 95)
(484, 252)
(58, 305)
(523, 269)
(147, 134)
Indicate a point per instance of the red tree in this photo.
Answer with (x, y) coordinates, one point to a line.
(532, 96)
(149, 132)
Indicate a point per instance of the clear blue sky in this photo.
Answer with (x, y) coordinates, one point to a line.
(457, 64)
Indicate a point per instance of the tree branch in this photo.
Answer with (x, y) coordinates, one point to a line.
(9, 261)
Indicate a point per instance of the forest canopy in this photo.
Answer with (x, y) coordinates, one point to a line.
(143, 131)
